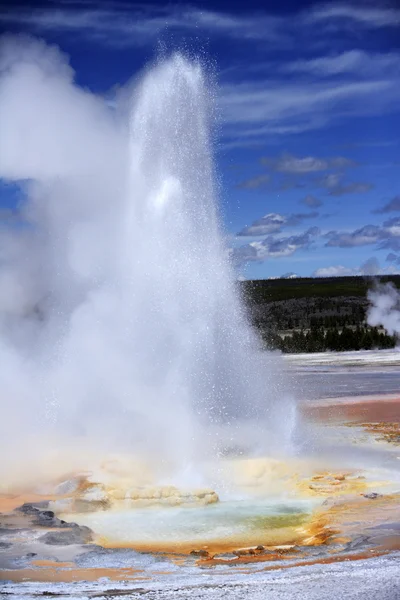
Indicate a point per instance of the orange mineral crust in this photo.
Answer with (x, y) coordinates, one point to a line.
(58, 574)
(374, 409)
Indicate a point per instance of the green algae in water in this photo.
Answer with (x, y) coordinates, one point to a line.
(277, 521)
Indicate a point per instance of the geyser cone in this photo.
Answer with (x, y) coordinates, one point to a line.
(135, 339)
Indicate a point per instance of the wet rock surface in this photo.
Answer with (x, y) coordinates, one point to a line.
(74, 535)
(31, 532)
(372, 496)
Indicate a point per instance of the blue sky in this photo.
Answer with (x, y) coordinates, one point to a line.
(308, 116)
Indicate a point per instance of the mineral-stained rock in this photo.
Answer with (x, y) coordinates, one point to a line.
(244, 552)
(75, 535)
(372, 495)
(167, 496)
(200, 553)
(42, 518)
(91, 499)
(32, 508)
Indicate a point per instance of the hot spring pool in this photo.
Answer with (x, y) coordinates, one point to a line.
(225, 525)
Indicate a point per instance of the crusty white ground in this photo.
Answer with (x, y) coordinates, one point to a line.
(374, 579)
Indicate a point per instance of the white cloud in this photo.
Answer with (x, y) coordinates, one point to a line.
(300, 165)
(130, 24)
(369, 234)
(292, 164)
(330, 181)
(270, 223)
(273, 247)
(333, 183)
(351, 188)
(392, 206)
(256, 109)
(392, 226)
(123, 24)
(364, 15)
(311, 201)
(334, 271)
(356, 62)
(388, 234)
(254, 183)
(268, 100)
(251, 110)
(274, 222)
(369, 268)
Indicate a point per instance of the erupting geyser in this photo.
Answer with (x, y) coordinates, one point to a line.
(121, 330)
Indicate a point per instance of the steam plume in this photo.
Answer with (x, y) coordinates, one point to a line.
(385, 308)
(119, 325)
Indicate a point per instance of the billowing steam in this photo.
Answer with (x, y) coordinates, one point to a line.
(385, 308)
(119, 323)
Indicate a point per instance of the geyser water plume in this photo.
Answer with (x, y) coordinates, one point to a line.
(121, 330)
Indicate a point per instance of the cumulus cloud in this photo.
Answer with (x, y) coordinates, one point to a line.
(273, 247)
(351, 188)
(311, 201)
(392, 226)
(274, 222)
(369, 268)
(287, 163)
(369, 234)
(270, 223)
(333, 182)
(254, 183)
(392, 206)
(330, 181)
(297, 218)
(390, 243)
(334, 271)
(387, 236)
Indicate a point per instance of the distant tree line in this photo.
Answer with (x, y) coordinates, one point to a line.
(314, 315)
(307, 317)
(318, 339)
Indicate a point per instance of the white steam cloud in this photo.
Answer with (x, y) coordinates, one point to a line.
(118, 320)
(385, 308)
(64, 147)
